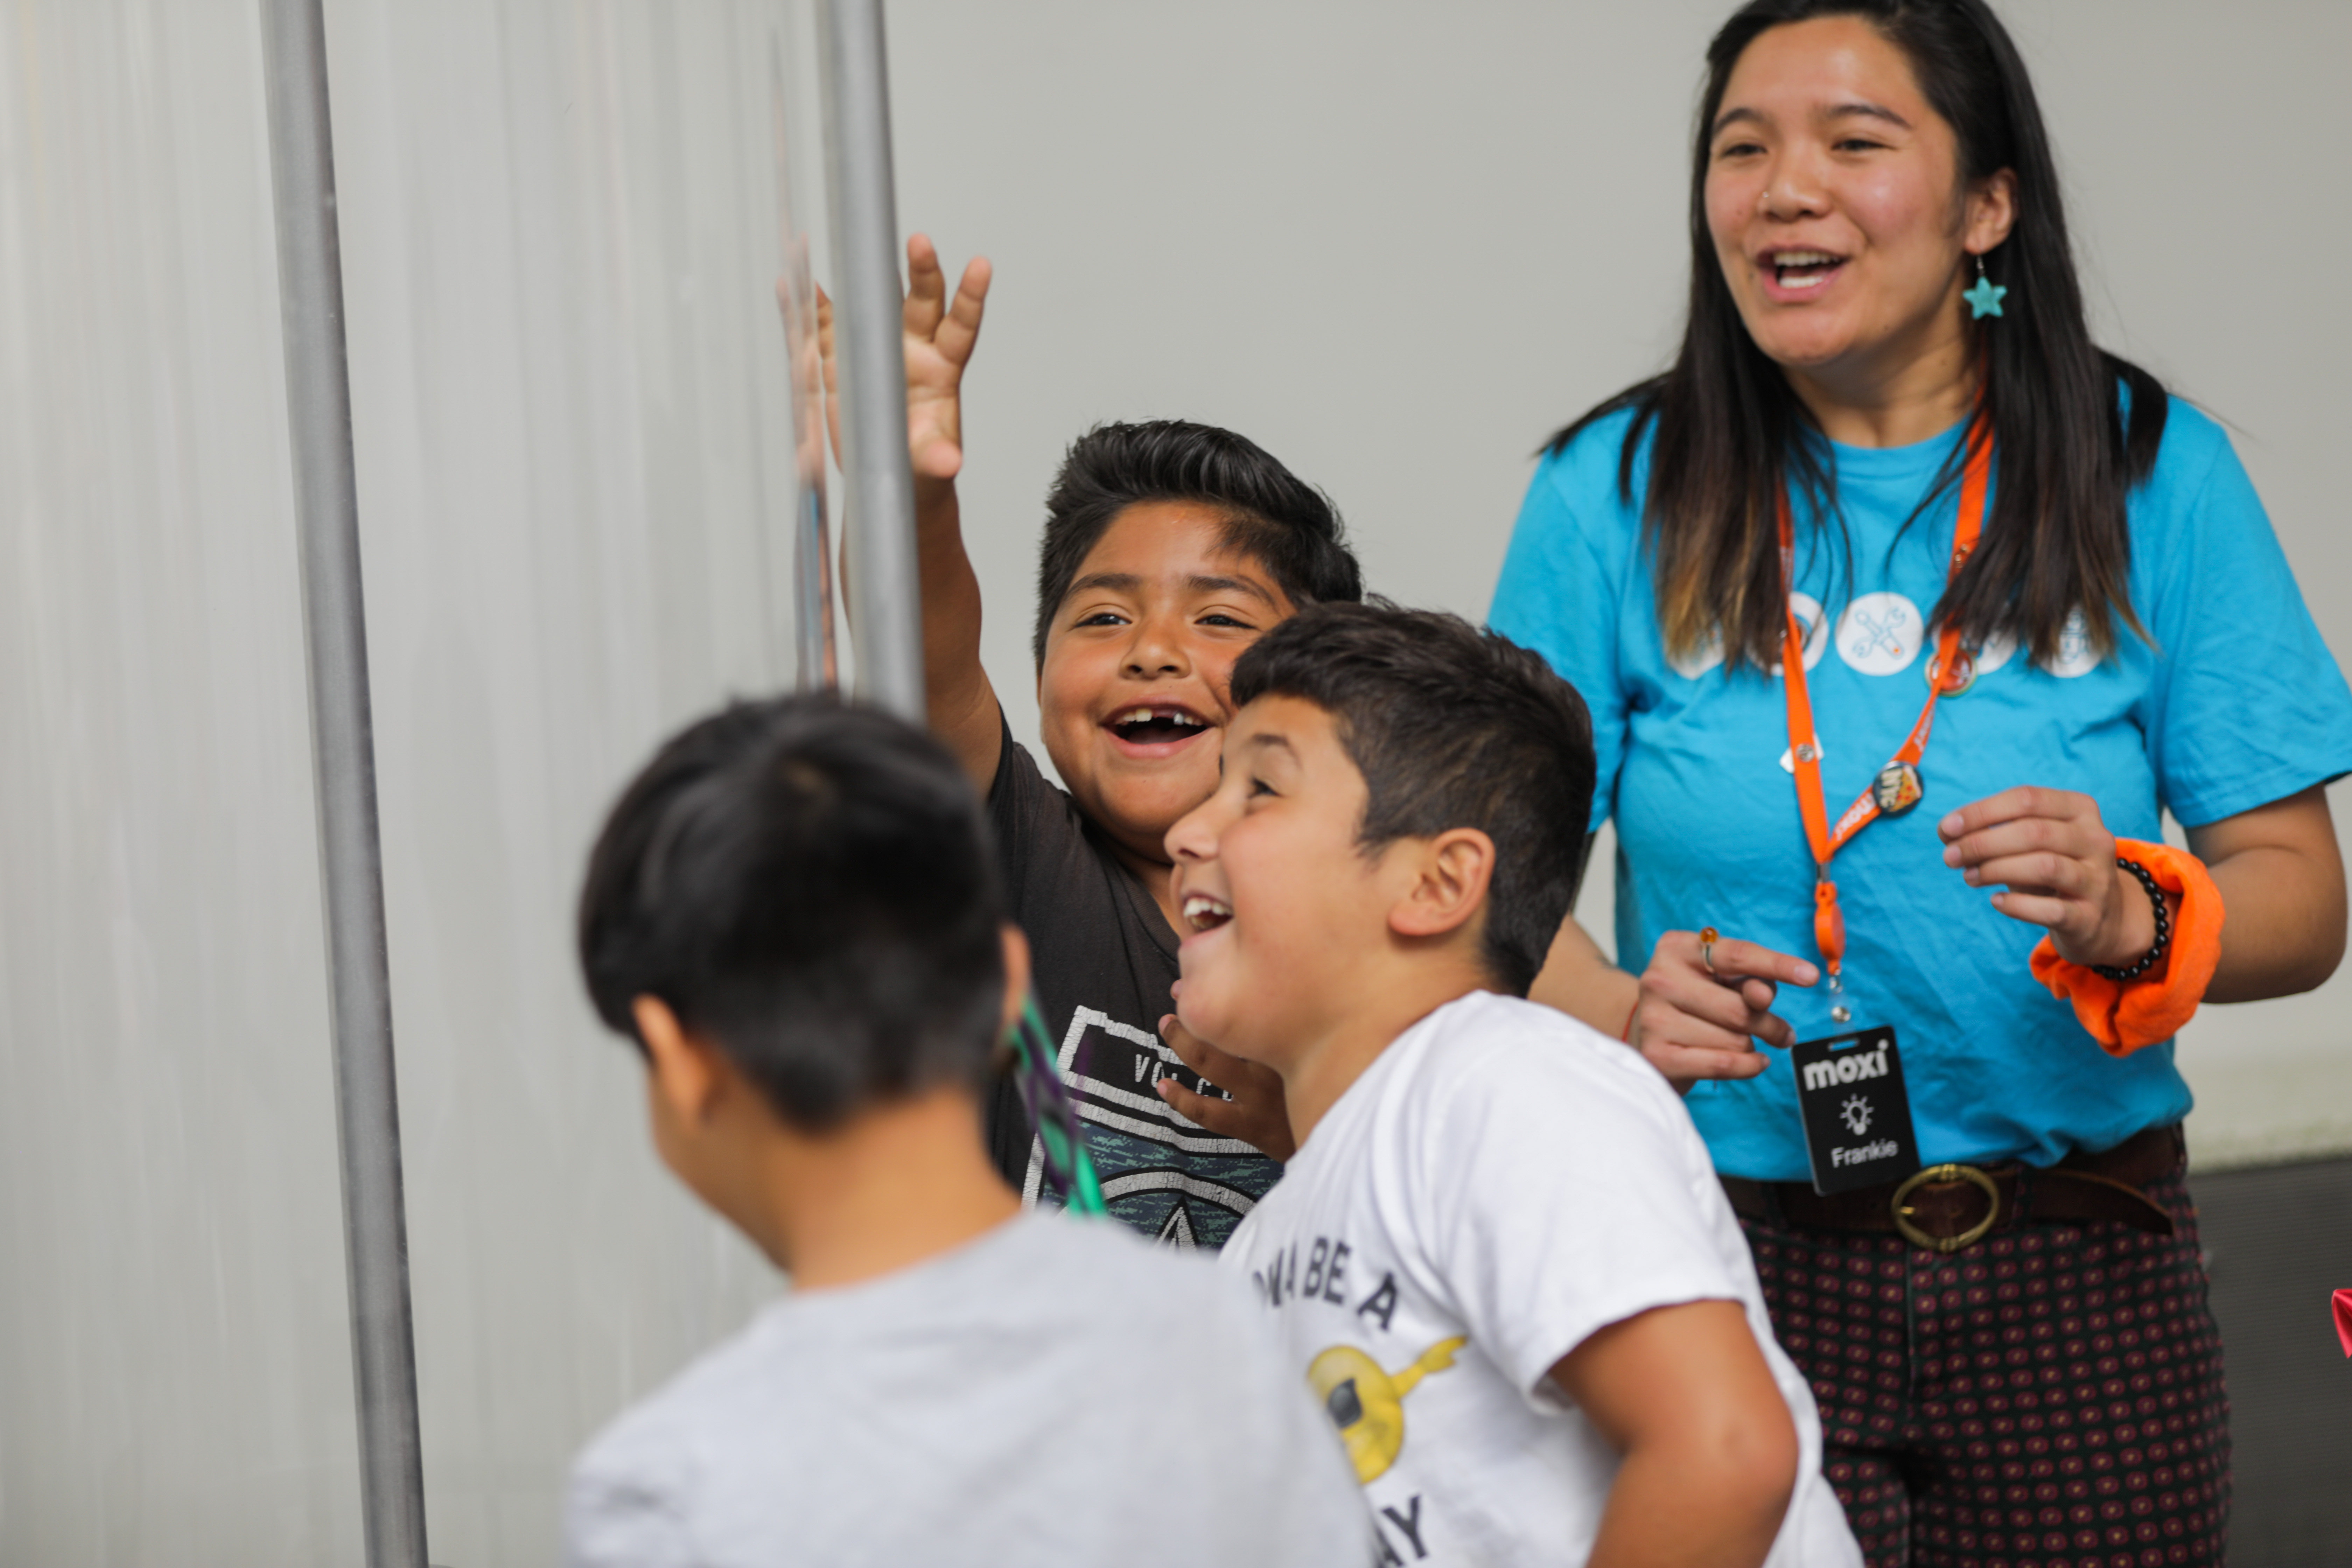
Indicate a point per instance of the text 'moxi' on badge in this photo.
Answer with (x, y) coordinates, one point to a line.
(1857, 1113)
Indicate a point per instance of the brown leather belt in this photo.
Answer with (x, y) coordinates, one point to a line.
(1945, 1208)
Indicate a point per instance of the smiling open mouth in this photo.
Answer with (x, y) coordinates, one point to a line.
(1156, 726)
(1202, 912)
(1803, 268)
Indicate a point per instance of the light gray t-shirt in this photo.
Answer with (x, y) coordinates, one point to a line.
(1055, 1392)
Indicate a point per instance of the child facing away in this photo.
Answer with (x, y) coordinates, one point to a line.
(1499, 1256)
(1169, 548)
(793, 912)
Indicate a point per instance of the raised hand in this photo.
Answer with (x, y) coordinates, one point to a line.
(1693, 1024)
(1258, 1113)
(2054, 860)
(940, 334)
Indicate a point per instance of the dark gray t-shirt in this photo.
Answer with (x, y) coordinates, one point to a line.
(983, 1407)
(1104, 959)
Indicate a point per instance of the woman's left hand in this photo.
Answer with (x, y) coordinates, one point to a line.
(2056, 861)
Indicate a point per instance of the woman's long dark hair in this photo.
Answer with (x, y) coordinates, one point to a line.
(1731, 432)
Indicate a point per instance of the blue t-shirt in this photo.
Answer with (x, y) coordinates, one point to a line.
(2238, 704)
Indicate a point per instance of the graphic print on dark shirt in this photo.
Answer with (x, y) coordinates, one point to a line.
(1104, 959)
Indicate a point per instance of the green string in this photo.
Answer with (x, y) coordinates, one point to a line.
(1057, 1122)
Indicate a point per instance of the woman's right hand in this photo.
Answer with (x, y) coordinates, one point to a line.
(1691, 1023)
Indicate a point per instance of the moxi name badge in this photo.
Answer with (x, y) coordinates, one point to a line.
(1857, 1113)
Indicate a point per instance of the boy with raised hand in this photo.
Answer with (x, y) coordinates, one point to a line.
(1169, 548)
(793, 912)
(1499, 1255)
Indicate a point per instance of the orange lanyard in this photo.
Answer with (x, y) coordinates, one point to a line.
(1897, 788)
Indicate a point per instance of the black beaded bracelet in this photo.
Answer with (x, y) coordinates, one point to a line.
(2155, 955)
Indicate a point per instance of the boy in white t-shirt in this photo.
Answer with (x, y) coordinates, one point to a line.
(1500, 1256)
(793, 913)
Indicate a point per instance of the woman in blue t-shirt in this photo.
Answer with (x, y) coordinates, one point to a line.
(1892, 529)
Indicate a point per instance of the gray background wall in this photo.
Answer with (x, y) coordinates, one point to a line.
(1395, 243)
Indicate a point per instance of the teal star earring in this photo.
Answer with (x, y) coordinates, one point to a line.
(1984, 300)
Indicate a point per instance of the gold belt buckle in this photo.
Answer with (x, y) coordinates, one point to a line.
(1948, 1244)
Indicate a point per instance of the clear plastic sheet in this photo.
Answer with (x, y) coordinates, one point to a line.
(816, 664)
(579, 497)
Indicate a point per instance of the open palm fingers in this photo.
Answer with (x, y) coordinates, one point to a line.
(950, 327)
(959, 330)
(926, 289)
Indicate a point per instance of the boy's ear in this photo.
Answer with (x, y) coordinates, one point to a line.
(1452, 871)
(686, 1075)
(1016, 977)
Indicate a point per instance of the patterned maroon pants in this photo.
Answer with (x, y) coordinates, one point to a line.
(2049, 1398)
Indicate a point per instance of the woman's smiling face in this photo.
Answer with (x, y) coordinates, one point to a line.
(1834, 197)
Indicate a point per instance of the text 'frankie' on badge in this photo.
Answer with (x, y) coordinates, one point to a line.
(1857, 1113)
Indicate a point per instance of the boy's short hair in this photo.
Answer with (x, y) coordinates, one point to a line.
(1271, 514)
(809, 886)
(1451, 727)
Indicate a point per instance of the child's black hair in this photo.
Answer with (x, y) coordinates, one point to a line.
(1271, 514)
(1451, 727)
(809, 886)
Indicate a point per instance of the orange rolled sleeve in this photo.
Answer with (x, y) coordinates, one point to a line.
(2124, 1015)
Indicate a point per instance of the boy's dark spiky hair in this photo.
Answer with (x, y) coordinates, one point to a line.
(1451, 727)
(1270, 514)
(809, 883)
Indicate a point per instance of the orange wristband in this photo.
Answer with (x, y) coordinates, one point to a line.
(2124, 1015)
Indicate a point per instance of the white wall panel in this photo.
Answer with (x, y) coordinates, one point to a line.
(174, 1362)
(560, 243)
(559, 236)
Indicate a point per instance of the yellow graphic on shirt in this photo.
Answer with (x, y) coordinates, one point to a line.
(1367, 1405)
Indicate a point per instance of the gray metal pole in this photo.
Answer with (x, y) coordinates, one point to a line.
(326, 507)
(887, 627)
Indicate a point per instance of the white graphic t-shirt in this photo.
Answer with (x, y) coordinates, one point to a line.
(1501, 1183)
